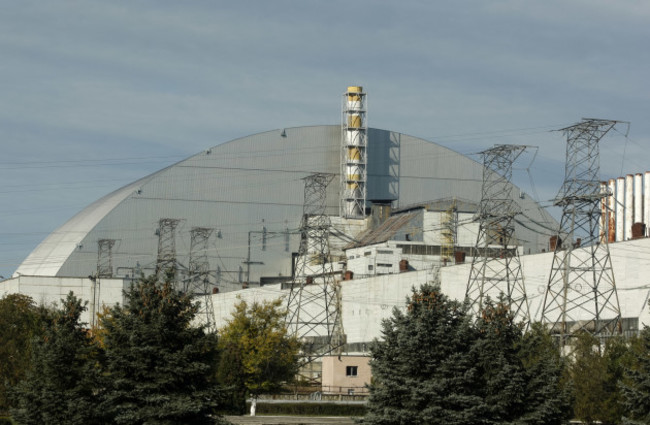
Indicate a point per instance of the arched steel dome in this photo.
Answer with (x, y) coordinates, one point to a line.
(250, 184)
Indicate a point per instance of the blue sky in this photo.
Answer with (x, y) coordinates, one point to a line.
(95, 94)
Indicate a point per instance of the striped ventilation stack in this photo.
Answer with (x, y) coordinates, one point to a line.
(625, 213)
(353, 154)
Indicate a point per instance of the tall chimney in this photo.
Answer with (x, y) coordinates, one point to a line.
(353, 155)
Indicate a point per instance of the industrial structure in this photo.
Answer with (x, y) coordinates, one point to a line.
(262, 217)
(496, 268)
(581, 295)
(354, 154)
(313, 312)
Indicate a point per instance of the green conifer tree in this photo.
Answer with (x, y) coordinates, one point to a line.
(158, 365)
(423, 372)
(434, 366)
(636, 387)
(62, 385)
(548, 390)
(501, 375)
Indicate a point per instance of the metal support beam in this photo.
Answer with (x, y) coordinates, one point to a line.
(581, 293)
(496, 268)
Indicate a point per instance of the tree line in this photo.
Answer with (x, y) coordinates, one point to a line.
(148, 363)
(435, 364)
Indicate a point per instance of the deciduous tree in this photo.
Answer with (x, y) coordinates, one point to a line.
(20, 321)
(596, 370)
(258, 355)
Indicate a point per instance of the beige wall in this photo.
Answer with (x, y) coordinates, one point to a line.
(334, 374)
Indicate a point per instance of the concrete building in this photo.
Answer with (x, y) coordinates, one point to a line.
(393, 201)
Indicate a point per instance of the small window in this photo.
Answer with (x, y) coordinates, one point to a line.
(351, 370)
(370, 267)
(367, 253)
(384, 265)
(383, 251)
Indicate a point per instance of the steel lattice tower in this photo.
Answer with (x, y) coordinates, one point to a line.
(496, 268)
(105, 257)
(104, 270)
(354, 132)
(198, 284)
(166, 261)
(313, 312)
(581, 292)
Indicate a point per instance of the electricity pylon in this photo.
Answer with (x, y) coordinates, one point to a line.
(104, 270)
(313, 312)
(198, 284)
(496, 268)
(581, 293)
(166, 261)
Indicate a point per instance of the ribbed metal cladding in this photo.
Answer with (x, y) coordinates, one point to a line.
(620, 208)
(233, 186)
(638, 198)
(646, 200)
(629, 206)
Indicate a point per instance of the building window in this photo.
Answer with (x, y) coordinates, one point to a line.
(382, 251)
(370, 267)
(351, 370)
(384, 265)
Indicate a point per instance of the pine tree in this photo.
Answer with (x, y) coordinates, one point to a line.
(62, 385)
(548, 390)
(500, 370)
(159, 366)
(522, 376)
(423, 372)
(434, 366)
(636, 389)
(618, 356)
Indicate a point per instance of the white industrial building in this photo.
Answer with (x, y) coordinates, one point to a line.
(391, 206)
